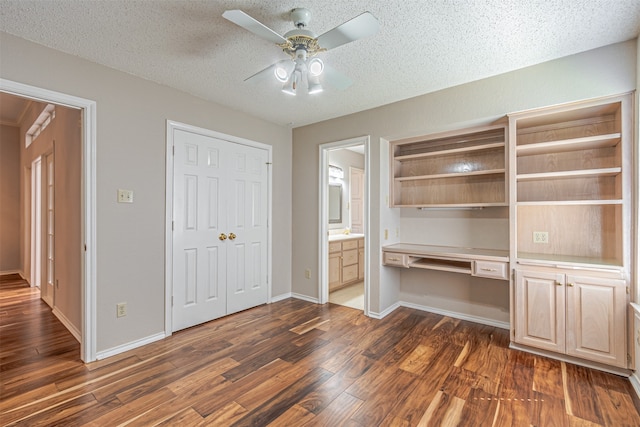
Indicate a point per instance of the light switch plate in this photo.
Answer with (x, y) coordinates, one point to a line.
(125, 196)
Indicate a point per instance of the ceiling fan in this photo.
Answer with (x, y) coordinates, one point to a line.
(302, 45)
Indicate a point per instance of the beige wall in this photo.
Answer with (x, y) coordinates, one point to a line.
(605, 71)
(10, 243)
(68, 214)
(131, 128)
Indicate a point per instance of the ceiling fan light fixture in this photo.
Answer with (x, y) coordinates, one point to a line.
(316, 66)
(314, 85)
(315, 88)
(301, 45)
(291, 85)
(282, 71)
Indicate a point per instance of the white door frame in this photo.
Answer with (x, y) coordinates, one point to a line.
(48, 223)
(36, 223)
(168, 245)
(323, 226)
(88, 227)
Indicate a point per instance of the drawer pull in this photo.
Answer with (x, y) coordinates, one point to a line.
(489, 269)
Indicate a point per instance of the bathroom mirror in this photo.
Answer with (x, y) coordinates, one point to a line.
(335, 203)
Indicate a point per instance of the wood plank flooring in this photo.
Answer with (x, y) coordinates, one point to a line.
(294, 363)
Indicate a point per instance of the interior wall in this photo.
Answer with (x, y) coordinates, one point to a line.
(130, 154)
(600, 72)
(68, 214)
(10, 243)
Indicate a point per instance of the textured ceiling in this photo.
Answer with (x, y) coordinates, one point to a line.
(422, 46)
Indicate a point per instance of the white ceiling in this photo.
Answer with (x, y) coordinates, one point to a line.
(422, 46)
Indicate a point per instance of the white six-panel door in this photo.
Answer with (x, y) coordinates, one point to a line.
(220, 229)
(246, 204)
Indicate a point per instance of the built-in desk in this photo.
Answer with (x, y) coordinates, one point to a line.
(490, 263)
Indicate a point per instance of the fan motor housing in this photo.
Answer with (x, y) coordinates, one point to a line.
(300, 17)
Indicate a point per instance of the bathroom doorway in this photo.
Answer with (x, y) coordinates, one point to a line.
(344, 223)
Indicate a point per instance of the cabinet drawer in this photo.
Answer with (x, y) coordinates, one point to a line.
(335, 247)
(349, 244)
(395, 259)
(350, 257)
(349, 273)
(491, 269)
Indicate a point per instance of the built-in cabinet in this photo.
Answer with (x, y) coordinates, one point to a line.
(576, 314)
(571, 228)
(346, 262)
(451, 169)
(565, 172)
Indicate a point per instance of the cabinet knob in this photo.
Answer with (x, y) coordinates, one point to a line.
(570, 284)
(222, 236)
(558, 283)
(232, 236)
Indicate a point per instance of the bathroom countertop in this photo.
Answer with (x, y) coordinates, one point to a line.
(340, 237)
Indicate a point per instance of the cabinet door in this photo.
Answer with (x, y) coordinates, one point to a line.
(361, 263)
(596, 319)
(349, 274)
(350, 258)
(539, 311)
(335, 267)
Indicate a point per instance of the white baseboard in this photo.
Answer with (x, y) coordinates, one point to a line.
(635, 382)
(129, 346)
(67, 324)
(456, 315)
(281, 297)
(305, 298)
(384, 313)
(5, 272)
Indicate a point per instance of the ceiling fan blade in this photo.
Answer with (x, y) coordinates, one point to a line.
(266, 73)
(363, 25)
(240, 18)
(335, 78)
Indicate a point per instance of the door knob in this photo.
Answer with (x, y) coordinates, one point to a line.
(222, 236)
(232, 236)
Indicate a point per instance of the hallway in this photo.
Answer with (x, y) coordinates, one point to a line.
(30, 334)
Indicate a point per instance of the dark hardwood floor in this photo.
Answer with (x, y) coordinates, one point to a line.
(294, 363)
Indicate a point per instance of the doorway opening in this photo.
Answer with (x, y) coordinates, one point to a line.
(344, 223)
(87, 218)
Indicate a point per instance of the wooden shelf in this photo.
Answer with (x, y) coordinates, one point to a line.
(451, 151)
(585, 173)
(442, 265)
(451, 175)
(454, 205)
(571, 180)
(531, 258)
(573, 144)
(570, 202)
(459, 168)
